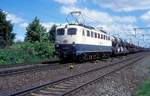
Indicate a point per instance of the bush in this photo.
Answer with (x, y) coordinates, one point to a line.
(27, 53)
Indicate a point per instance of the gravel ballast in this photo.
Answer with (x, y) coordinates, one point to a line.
(121, 83)
(26, 80)
(17, 82)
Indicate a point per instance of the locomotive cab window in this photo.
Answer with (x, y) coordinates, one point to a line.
(98, 35)
(95, 35)
(92, 33)
(60, 31)
(88, 33)
(72, 31)
(83, 33)
(101, 36)
(104, 37)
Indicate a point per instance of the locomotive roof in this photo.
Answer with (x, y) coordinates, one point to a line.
(88, 27)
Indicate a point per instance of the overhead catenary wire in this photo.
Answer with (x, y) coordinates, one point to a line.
(134, 28)
(115, 22)
(123, 11)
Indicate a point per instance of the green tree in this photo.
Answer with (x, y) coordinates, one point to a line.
(52, 33)
(6, 35)
(36, 32)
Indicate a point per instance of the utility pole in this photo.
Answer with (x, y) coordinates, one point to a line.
(130, 39)
(138, 43)
(142, 28)
(134, 31)
(143, 37)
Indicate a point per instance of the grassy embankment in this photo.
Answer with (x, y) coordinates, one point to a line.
(144, 89)
(27, 53)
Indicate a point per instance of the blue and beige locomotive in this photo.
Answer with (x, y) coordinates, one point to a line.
(80, 42)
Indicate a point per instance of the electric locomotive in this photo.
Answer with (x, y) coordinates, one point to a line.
(76, 41)
(80, 42)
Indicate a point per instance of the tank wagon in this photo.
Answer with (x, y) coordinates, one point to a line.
(81, 42)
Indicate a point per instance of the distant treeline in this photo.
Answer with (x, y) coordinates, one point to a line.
(37, 46)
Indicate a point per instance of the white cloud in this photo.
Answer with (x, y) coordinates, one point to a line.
(122, 25)
(24, 25)
(101, 18)
(19, 38)
(98, 16)
(66, 2)
(47, 25)
(14, 18)
(146, 16)
(124, 5)
(19, 23)
(94, 16)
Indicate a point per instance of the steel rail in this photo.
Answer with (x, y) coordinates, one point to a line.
(68, 78)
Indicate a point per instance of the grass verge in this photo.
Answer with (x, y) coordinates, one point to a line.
(144, 89)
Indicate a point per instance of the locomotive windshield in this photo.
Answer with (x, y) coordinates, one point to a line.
(71, 31)
(60, 31)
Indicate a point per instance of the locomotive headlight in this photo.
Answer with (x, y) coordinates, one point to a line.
(57, 44)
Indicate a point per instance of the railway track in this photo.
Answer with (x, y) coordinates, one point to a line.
(18, 69)
(29, 68)
(67, 86)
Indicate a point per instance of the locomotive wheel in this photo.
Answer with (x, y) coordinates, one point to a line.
(81, 58)
(63, 60)
(97, 56)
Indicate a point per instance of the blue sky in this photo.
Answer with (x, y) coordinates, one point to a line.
(115, 16)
